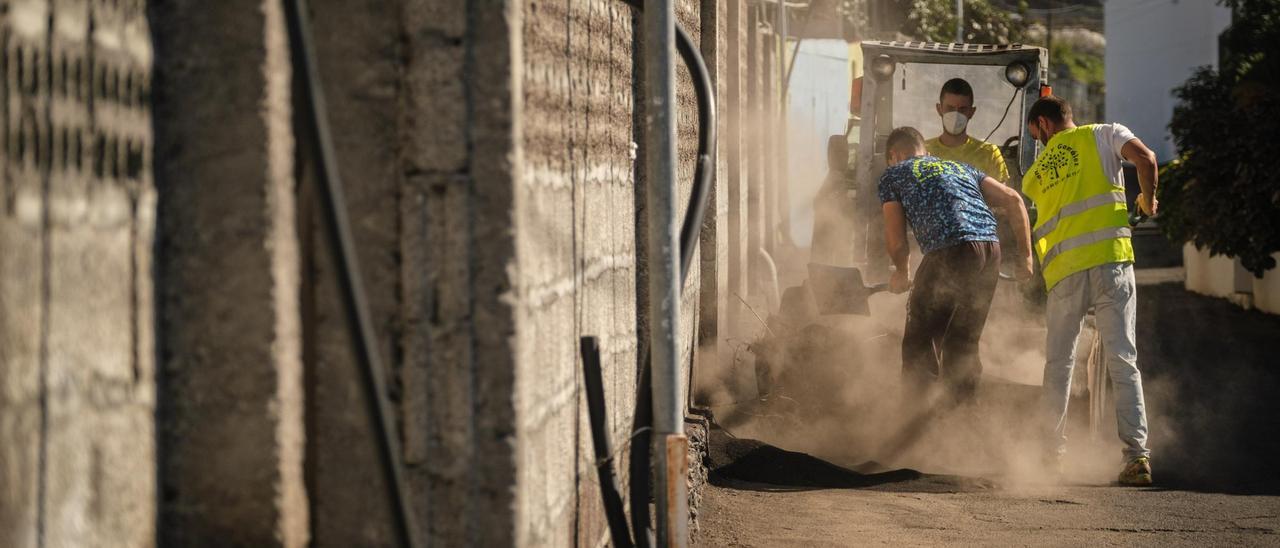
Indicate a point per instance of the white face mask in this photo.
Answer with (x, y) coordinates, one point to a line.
(954, 122)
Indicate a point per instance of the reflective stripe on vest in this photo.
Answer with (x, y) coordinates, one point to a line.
(1086, 239)
(1083, 220)
(1075, 208)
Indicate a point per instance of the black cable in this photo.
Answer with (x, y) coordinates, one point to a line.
(356, 304)
(703, 89)
(610, 493)
(1006, 113)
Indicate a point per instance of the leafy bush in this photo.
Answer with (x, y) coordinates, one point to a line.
(935, 21)
(1223, 192)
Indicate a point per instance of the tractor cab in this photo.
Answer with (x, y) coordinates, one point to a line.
(900, 87)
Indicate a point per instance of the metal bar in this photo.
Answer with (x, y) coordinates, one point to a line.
(664, 268)
(339, 227)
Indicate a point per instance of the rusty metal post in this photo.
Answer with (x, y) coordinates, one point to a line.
(664, 271)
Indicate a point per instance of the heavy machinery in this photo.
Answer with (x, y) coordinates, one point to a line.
(900, 87)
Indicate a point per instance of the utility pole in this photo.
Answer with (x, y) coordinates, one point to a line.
(959, 21)
(1048, 33)
(669, 442)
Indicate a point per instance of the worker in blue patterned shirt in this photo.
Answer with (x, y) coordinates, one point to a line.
(949, 206)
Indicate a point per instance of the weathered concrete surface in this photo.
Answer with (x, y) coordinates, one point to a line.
(437, 339)
(490, 163)
(76, 389)
(576, 252)
(714, 242)
(231, 435)
(358, 47)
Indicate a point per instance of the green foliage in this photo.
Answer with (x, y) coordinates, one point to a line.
(1224, 192)
(1082, 66)
(935, 21)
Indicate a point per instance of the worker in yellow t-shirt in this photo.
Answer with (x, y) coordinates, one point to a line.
(955, 106)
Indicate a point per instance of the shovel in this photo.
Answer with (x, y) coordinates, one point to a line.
(839, 289)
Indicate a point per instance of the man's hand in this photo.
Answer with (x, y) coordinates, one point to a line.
(1147, 207)
(1025, 268)
(898, 282)
(1144, 160)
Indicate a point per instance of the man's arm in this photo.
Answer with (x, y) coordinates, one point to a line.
(1148, 173)
(895, 240)
(1007, 203)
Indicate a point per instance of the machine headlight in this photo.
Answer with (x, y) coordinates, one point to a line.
(882, 67)
(1017, 73)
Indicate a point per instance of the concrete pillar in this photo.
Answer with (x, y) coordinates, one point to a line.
(437, 339)
(769, 147)
(76, 390)
(231, 396)
(24, 281)
(357, 45)
(493, 80)
(756, 138)
(733, 148)
(714, 257)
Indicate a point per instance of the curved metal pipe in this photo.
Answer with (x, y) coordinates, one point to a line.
(690, 229)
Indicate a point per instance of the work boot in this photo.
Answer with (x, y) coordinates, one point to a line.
(1137, 472)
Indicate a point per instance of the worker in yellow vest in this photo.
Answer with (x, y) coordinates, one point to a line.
(1082, 238)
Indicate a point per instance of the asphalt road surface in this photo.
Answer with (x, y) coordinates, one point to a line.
(1212, 376)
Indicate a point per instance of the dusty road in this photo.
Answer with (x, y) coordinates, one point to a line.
(1213, 390)
(746, 515)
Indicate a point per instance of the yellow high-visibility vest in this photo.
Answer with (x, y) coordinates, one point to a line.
(1082, 219)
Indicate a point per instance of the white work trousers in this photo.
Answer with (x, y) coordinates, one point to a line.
(1110, 290)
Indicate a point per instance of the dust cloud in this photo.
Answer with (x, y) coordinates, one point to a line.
(829, 386)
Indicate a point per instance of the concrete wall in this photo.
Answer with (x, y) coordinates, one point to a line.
(492, 168)
(581, 247)
(1221, 276)
(421, 100)
(1209, 275)
(1153, 46)
(356, 44)
(231, 398)
(76, 384)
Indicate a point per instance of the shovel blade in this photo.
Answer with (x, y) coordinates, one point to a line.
(840, 290)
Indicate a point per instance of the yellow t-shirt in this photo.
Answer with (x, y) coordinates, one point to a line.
(982, 155)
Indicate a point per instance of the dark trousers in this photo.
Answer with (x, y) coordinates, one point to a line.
(946, 312)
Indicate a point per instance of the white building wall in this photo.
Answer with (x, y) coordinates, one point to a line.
(1153, 46)
(817, 108)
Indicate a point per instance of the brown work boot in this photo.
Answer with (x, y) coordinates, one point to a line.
(1136, 472)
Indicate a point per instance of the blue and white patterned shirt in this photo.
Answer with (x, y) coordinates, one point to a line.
(942, 200)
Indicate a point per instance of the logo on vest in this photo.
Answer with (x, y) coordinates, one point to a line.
(1056, 165)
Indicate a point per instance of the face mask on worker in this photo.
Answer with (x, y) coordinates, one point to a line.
(954, 122)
